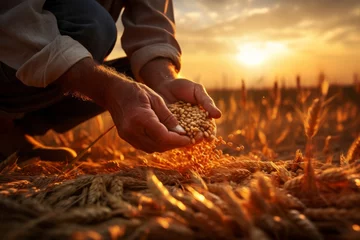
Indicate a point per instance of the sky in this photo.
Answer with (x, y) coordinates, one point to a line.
(262, 40)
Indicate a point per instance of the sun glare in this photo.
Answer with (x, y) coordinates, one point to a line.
(254, 54)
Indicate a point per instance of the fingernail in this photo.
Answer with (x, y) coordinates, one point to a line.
(179, 129)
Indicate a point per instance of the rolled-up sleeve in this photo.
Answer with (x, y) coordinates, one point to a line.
(149, 33)
(32, 44)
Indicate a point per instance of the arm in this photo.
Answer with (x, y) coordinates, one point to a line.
(149, 42)
(140, 115)
(31, 43)
(149, 33)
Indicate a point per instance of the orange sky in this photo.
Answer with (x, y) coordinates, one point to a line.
(258, 40)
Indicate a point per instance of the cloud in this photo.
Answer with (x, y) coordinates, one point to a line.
(334, 22)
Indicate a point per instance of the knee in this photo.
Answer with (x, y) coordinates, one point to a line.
(99, 36)
(87, 22)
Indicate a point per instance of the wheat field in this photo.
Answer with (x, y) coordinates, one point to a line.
(285, 165)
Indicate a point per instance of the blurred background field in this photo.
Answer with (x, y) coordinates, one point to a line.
(285, 165)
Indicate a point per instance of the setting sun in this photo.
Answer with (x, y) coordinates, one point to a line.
(251, 55)
(254, 54)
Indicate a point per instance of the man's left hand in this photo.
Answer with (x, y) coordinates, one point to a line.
(160, 75)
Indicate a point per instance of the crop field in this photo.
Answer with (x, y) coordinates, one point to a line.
(285, 165)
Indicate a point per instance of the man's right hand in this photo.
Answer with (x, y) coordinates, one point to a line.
(140, 115)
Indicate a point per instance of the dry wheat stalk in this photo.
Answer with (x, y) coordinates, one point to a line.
(96, 190)
(311, 125)
(256, 204)
(333, 175)
(120, 205)
(313, 118)
(234, 175)
(84, 215)
(211, 228)
(63, 193)
(35, 205)
(294, 185)
(298, 159)
(333, 214)
(288, 200)
(354, 151)
(10, 160)
(117, 187)
(243, 94)
(347, 201)
(67, 203)
(83, 197)
(206, 206)
(257, 234)
(251, 165)
(13, 207)
(309, 186)
(197, 179)
(237, 210)
(264, 186)
(304, 225)
(163, 195)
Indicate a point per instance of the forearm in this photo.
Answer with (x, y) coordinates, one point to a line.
(89, 79)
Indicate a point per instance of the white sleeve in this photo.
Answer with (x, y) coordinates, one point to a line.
(32, 44)
(149, 32)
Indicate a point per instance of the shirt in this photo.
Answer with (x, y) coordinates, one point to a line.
(32, 44)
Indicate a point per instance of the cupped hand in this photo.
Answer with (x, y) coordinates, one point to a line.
(142, 118)
(187, 91)
(190, 92)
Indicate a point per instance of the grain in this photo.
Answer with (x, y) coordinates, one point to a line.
(194, 119)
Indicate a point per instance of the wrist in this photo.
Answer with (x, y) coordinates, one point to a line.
(158, 71)
(88, 79)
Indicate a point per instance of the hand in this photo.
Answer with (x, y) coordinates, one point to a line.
(142, 118)
(187, 91)
(160, 75)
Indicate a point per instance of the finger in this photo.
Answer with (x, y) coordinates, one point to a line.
(152, 146)
(158, 133)
(165, 116)
(199, 137)
(203, 98)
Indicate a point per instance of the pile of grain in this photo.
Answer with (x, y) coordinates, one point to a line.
(194, 119)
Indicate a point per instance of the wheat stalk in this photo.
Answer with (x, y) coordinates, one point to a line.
(354, 151)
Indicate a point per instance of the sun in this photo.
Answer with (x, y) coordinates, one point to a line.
(251, 55)
(255, 54)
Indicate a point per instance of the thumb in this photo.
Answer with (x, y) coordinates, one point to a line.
(165, 116)
(203, 98)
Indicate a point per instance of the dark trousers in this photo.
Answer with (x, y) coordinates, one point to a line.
(37, 110)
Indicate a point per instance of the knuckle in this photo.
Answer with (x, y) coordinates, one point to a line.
(158, 100)
(142, 96)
